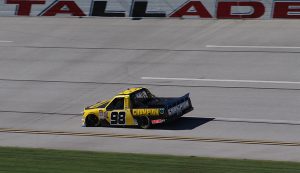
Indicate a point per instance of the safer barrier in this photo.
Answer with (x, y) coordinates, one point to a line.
(138, 9)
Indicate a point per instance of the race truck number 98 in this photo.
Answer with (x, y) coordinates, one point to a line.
(118, 118)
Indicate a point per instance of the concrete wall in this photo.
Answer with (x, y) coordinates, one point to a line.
(206, 9)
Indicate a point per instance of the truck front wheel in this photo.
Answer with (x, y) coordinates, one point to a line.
(145, 122)
(91, 121)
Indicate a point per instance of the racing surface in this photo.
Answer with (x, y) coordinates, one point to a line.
(243, 77)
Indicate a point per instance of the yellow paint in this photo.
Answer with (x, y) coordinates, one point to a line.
(130, 121)
(126, 102)
(99, 104)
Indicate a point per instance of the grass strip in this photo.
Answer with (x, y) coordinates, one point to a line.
(23, 160)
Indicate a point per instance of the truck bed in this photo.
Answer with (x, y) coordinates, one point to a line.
(174, 106)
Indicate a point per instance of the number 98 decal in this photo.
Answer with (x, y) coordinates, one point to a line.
(117, 118)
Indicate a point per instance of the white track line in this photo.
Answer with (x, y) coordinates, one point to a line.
(257, 47)
(5, 41)
(257, 120)
(220, 80)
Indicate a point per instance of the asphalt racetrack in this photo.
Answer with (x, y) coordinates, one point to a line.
(243, 77)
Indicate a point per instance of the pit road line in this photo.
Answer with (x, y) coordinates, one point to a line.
(148, 84)
(156, 137)
(5, 41)
(256, 47)
(220, 80)
(266, 121)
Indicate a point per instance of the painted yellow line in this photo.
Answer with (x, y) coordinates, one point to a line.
(156, 137)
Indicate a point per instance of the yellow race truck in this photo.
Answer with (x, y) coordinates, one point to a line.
(136, 107)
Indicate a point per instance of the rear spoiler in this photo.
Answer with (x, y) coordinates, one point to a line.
(178, 100)
(179, 105)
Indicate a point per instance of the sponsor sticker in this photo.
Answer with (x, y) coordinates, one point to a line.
(161, 111)
(157, 121)
(153, 112)
(178, 108)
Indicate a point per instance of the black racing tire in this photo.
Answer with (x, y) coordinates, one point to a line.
(144, 122)
(91, 121)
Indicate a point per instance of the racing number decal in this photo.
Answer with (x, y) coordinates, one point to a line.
(121, 118)
(117, 118)
(114, 118)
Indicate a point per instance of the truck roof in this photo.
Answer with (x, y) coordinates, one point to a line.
(129, 91)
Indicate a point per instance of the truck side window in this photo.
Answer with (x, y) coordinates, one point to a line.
(116, 104)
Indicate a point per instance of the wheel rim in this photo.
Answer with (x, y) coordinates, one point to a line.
(145, 122)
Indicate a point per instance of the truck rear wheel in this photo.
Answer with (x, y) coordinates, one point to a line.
(91, 121)
(145, 122)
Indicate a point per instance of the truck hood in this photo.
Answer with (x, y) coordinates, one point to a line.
(100, 104)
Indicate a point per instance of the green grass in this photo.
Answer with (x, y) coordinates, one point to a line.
(55, 161)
